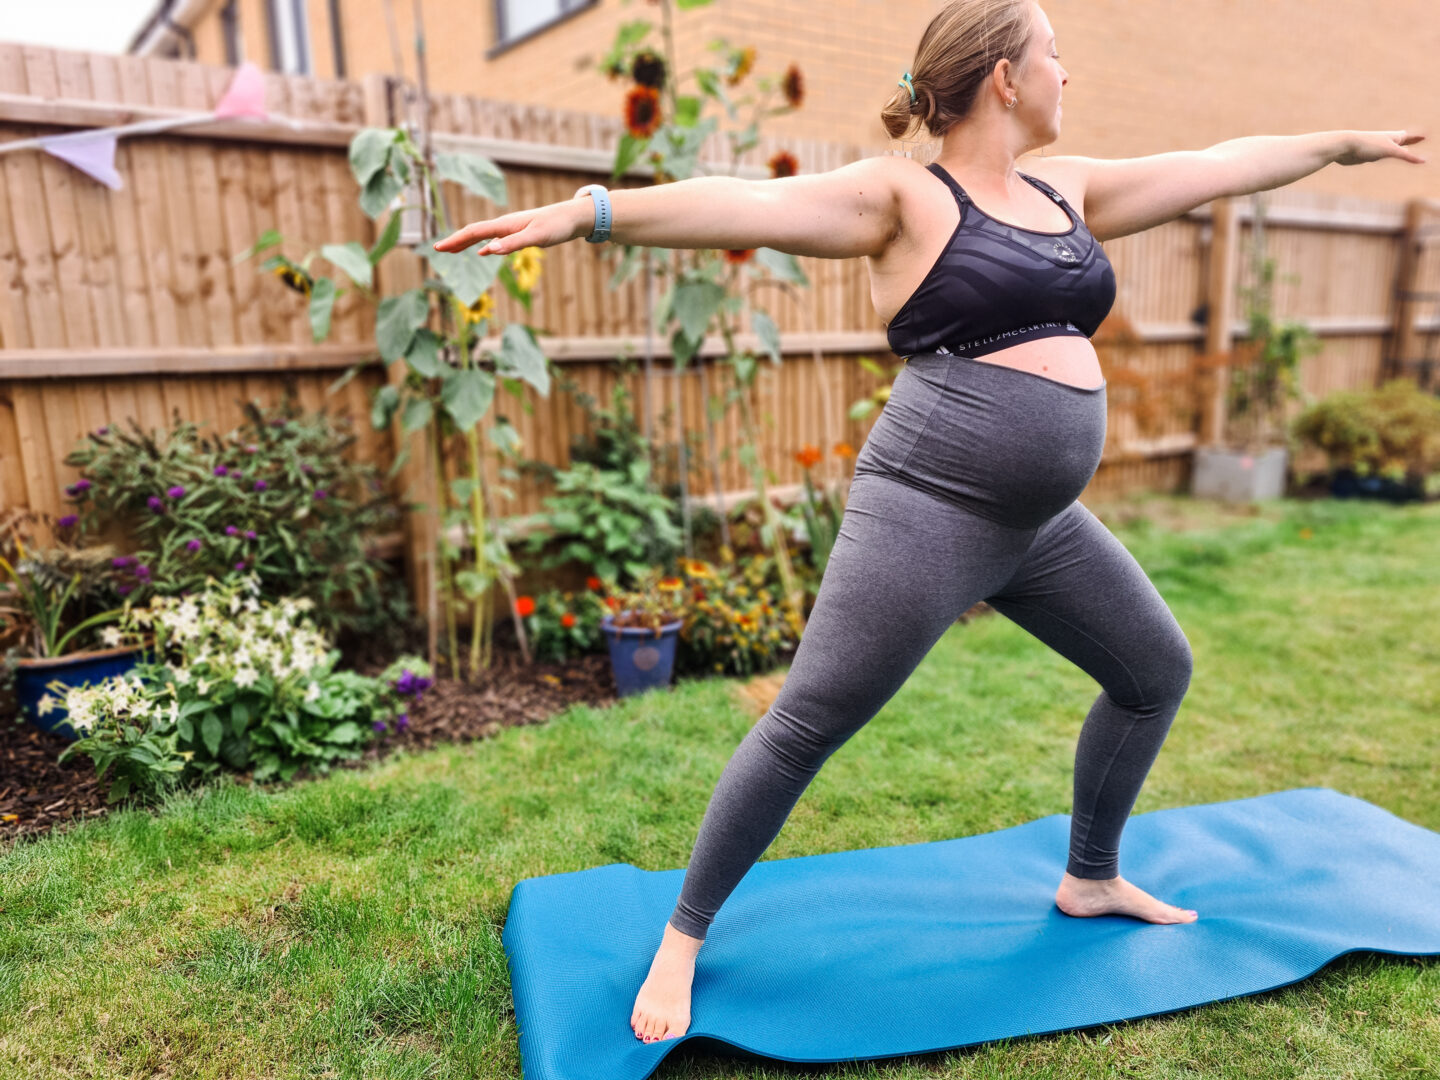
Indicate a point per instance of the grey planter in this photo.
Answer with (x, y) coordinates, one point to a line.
(1238, 476)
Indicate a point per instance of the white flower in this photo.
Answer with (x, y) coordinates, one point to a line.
(181, 674)
(202, 686)
(47, 703)
(174, 712)
(111, 636)
(251, 605)
(245, 677)
(234, 604)
(313, 692)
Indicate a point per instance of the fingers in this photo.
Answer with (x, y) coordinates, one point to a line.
(460, 239)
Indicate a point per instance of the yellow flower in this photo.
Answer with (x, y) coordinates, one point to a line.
(526, 266)
(482, 309)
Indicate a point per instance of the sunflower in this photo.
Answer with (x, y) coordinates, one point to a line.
(296, 278)
(482, 309)
(744, 61)
(793, 86)
(642, 111)
(783, 164)
(648, 69)
(525, 264)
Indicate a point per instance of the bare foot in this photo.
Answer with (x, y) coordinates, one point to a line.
(1084, 897)
(662, 1008)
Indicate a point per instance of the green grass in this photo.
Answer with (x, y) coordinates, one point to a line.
(351, 926)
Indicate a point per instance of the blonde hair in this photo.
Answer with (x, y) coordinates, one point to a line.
(956, 54)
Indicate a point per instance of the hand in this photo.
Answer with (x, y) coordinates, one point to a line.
(1374, 145)
(545, 226)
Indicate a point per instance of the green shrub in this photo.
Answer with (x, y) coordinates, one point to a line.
(230, 682)
(1392, 430)
(278, 496)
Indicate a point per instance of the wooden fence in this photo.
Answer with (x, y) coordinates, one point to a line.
(117, 304)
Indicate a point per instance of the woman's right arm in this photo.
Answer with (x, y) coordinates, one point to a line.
(840, 214)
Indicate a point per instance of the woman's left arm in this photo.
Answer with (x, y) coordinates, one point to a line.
(1128, 195)
(1262, 162)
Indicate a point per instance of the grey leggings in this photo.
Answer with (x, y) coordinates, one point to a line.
(965, 491)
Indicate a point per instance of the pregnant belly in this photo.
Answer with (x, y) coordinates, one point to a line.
(1067, 359)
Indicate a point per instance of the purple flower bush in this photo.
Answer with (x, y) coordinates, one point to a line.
(194, 513)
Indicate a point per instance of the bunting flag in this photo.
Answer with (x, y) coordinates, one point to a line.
(245, 96)
(93, 152)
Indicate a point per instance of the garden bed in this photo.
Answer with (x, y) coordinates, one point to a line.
(43, 794)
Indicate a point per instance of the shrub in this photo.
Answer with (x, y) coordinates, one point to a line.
(1392, 430)
(231, 682)
(277, 496)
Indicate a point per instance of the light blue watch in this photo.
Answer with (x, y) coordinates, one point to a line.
(601, 197)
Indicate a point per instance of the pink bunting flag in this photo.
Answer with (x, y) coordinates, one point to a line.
(246, 94)
(92, 154)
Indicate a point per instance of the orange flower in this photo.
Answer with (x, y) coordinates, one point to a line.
(808, 455)
(642, 111)
(737, 256)
(592, 582)
(743, 63)
(525, 605)
(567, 620)
(613, 603)
(783, 164)
(844, 449)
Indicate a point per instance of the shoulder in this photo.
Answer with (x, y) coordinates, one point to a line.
(1067, 174)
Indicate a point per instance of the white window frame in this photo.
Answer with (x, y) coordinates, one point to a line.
(290, 36)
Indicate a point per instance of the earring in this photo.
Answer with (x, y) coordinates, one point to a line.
(1010, 104)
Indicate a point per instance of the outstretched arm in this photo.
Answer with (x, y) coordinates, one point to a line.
(1130, 195)
(840, 214)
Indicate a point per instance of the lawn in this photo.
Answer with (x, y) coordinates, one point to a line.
(351, 926)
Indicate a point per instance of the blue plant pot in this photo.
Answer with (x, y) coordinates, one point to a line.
(641, 659)
(1347, 484)
(33, 677)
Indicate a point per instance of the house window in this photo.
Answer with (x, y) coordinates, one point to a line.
(516, 20)
(289, 38)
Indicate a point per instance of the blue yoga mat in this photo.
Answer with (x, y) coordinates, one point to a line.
(882, 952)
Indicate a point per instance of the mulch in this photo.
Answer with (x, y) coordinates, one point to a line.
(44, 795)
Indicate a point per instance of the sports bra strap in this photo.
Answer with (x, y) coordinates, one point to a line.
(939, 170)
(1043, 186)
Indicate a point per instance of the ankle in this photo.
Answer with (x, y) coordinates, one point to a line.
(1091, 883)
(676, 943)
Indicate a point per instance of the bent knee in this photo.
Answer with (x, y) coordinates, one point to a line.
(1168, 670)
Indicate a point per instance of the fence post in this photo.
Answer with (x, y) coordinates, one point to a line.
(1404, 334)
(1220, 303)
(416, 479)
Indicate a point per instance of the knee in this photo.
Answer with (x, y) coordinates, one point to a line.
(797, 748)
(1168, 671)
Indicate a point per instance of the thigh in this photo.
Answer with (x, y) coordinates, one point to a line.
(905, 566)
(1082, 593)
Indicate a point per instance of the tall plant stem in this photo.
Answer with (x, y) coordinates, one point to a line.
(480, 626)
(447, 573)
(773, 525)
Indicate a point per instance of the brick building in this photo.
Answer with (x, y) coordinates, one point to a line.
(1146, 76)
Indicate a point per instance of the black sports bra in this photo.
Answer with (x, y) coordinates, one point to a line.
(1002, 285)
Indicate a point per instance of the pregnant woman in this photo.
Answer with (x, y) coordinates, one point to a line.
(990, 282)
